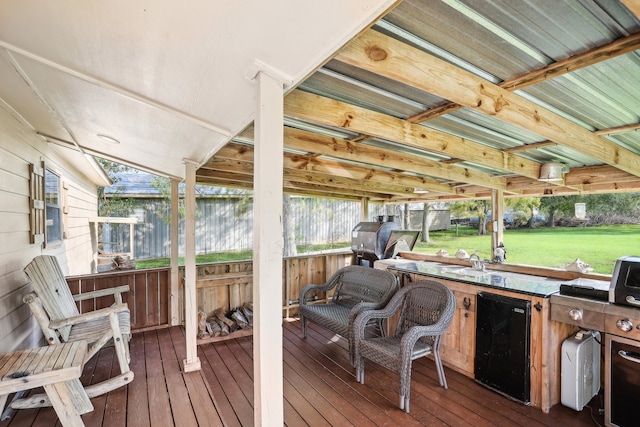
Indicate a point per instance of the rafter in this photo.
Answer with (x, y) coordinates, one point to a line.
(239, 158)
(337, 148)
(618, 47)
(380, 54)
(529, 147)
(319, 109)
(323, 179)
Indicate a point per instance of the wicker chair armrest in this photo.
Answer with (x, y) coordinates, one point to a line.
(308, 289)
(417, 332)
(364, 317)
(330, 284)
(378, 307)
(92, 315)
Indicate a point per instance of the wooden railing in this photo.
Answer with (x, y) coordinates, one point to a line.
(228, 285)
(223, 285)
(148, 296)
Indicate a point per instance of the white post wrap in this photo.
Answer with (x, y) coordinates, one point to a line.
(175, 246)
(267, 251)
(192, 362)
(497, 215)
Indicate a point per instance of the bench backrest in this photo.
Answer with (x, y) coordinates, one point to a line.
(51, 286)
(358, 284)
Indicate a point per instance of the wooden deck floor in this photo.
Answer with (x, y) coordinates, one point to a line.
(319, 389)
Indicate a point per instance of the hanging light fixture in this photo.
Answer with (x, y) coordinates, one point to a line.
(108, 138)
(551, 171)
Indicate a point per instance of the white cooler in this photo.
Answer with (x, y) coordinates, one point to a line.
(580, 369)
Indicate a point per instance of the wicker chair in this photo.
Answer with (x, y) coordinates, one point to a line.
(426, 309)
(356, 288)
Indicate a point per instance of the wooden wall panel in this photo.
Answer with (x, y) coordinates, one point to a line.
(20, 147)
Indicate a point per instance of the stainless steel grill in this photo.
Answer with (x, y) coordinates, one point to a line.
(369, 240)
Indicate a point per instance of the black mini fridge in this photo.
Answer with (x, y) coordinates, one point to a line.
(502, 345)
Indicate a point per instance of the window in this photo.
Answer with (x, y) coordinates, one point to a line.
(53, 207)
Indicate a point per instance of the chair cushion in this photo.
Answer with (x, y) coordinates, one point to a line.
(334, 317)
(385, 351)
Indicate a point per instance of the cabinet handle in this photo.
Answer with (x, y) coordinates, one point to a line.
(466, 301)
(627, 356)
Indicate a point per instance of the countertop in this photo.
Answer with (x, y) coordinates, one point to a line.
(513, 282)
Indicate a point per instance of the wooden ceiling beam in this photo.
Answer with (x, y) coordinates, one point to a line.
(340, 149)
(617, 47)
(292, 183)
(385, 56)
(633, 6)
(242, 171)
(315, 108)
(601, 174)
(239, 158)
(217, 181)
(529, 147)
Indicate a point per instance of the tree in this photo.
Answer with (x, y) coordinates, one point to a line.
(114, 205)
(482, 208)
(557, 204)
(528, 205)
(425, 223)
(470, 207)
(289, 227)
(406, 217)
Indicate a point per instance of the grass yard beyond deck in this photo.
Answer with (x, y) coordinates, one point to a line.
(546, 247)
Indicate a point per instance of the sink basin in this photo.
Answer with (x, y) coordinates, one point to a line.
(468, 271)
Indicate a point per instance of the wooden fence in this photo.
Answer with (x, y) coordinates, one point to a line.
(218, 285)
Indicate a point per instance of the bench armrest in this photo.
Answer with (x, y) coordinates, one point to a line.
(116, 292)
(304, 292)
(92, 315)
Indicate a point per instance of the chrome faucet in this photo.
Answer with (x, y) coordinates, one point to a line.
(476, 263)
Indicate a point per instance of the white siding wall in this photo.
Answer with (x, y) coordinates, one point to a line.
(20, 146)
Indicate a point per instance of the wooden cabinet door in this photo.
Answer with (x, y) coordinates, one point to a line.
(458, 343)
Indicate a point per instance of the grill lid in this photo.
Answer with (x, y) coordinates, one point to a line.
(369, 239)
(625, 282)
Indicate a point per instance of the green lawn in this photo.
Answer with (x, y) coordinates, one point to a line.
(547, 247)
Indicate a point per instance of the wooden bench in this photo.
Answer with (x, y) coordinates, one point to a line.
(57, 368)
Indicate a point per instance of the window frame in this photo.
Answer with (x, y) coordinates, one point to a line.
(53, 204)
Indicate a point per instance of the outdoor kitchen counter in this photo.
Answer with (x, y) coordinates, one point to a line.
(458, 344)
(514, 282)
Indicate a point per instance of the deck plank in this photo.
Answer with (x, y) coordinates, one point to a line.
(207, 414)
(138, 399)
(103, 368)
(319, 389)
(180, 401)
(241, 408)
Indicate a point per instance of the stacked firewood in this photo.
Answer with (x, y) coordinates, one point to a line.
(220, 323)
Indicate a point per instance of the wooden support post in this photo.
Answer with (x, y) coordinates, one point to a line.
(497, 215)
(175, 247)
(192, 362)
(364, 209)
(268, 251)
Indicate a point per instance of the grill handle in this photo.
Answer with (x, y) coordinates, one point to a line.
(630, 299)
(629, 355)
